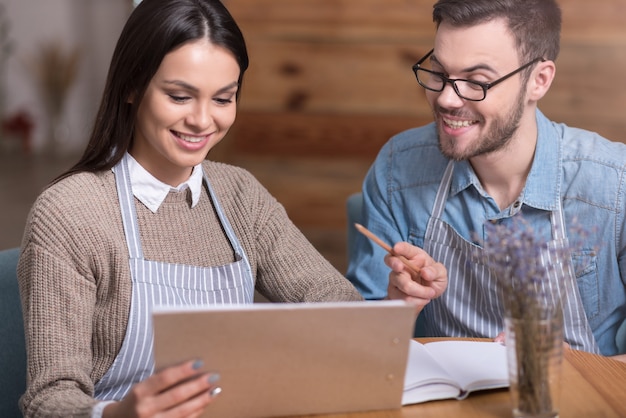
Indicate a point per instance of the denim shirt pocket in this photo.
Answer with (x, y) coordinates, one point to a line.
(416, 237)
(586, 271)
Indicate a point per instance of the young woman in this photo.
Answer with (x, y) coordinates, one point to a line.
(142, 219)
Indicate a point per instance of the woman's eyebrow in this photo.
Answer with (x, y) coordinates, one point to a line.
(182, 84)
(228, 87)
(190, 87)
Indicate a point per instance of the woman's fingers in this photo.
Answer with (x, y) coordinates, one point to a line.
(177, 391)
(190, 398)
(168, 377)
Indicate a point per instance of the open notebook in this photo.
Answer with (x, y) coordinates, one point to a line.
(453, 369)
(293, 359)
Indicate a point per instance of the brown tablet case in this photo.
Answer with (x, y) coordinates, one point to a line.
(293, 359)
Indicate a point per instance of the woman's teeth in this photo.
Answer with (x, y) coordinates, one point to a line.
(188, 138)
(455, 124)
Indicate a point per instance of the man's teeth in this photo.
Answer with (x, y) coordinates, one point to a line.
(189, 138)
(458, 123)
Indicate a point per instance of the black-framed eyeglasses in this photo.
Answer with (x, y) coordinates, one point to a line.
(466, 89)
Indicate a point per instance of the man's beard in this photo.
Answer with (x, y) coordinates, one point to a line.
(499, 135)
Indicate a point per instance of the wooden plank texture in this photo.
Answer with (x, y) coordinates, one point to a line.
(319, 66)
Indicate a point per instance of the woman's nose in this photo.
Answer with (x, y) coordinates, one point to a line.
(200, 116)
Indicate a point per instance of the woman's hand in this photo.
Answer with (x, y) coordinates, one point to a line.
(177, 391)
(425, 281)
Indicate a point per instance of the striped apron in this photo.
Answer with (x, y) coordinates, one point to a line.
(157, 283)
(472, 305)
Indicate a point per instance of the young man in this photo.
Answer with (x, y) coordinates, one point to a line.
(490, 156)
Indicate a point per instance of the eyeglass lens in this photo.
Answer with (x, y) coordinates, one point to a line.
(434, 81)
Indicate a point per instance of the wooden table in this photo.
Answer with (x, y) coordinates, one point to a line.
(592, 386)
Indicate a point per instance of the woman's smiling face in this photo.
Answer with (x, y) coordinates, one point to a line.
(186, 110)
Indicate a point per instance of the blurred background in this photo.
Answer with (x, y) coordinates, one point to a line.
(329, 82)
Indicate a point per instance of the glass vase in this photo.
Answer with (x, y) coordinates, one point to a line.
(535, 353)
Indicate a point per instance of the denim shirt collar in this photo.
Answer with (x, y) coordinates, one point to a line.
(542, 189)
(543, 185)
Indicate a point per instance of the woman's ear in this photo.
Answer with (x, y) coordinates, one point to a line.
(541, 80)
(131, 98)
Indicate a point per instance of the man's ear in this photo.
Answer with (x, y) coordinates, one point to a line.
(541, 80)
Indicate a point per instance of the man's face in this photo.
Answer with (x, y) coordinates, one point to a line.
(482, 53)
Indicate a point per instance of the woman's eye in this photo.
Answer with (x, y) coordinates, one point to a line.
(179, 99)
(221, 101)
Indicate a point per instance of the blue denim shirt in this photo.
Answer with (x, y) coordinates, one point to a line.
(580, 168)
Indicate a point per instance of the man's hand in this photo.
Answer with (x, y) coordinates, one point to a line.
(620, 357)
(426, 279)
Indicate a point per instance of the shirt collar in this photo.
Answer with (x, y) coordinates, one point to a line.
(542, 189)
(543, 185)
(152, 192)
(463, 177)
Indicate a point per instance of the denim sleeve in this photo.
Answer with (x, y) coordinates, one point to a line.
(395, 206)
(367, 269)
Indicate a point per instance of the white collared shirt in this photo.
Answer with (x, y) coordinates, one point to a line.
(152, 192)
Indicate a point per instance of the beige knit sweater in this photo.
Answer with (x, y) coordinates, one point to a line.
(75, 282)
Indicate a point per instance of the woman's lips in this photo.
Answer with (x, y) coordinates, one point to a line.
(190, 138)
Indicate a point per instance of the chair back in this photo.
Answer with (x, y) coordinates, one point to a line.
(12, 346)
(620, 338)
(354, 205)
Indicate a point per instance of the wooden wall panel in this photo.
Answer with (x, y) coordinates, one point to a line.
(342, 77)
(333, 77)
(597, 22)
(328, 12)
(589, 90)
(315, 134)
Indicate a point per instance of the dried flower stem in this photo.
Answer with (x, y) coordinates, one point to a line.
(521, 263)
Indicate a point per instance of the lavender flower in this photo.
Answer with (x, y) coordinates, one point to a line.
(522, 262)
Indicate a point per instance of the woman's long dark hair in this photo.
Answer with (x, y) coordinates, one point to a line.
(154, 28)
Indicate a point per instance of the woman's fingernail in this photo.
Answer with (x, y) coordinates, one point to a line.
(197, 364)
(214, 378)
(215, 391)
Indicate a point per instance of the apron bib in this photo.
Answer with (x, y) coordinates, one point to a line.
(472, 306)
(158, 283)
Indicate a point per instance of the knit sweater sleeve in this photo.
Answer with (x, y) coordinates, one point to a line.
(288, 267)
(58, 293)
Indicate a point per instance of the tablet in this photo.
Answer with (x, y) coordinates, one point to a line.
(292, 358)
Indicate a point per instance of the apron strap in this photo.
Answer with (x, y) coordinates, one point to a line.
(440, 200)
(240, 254)
(127, 207)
